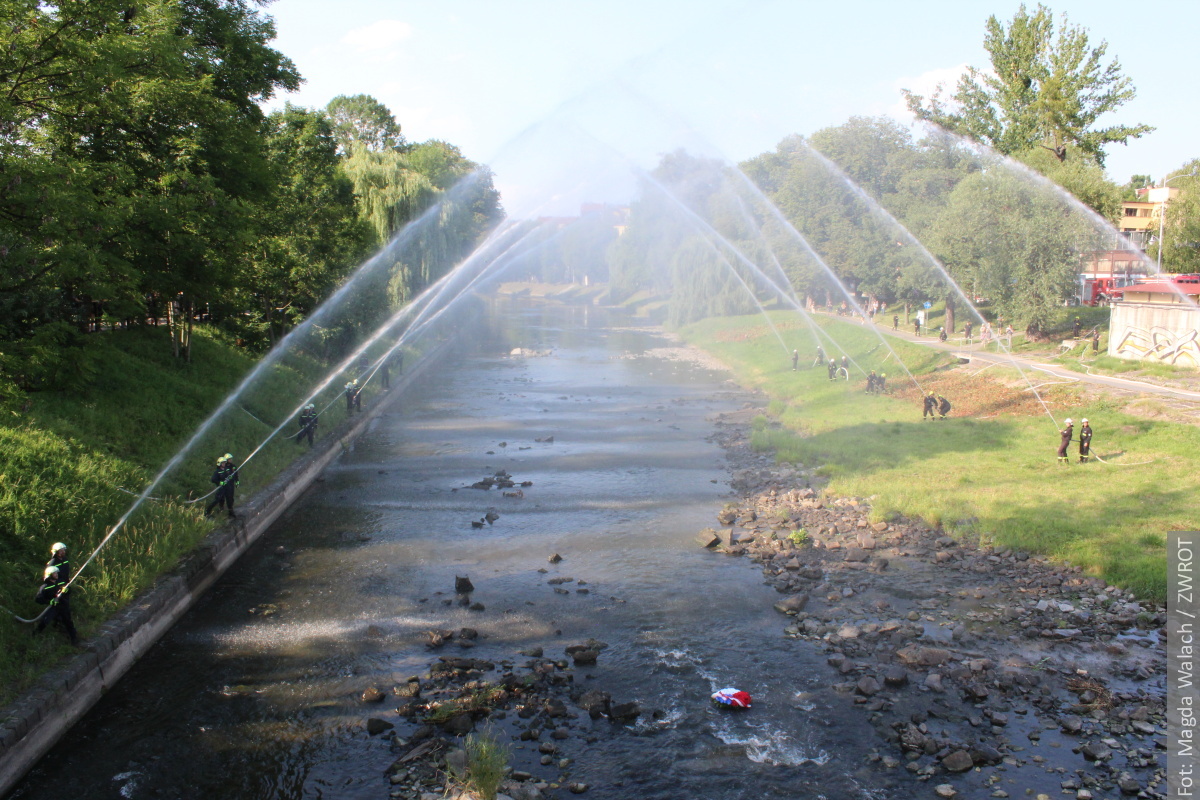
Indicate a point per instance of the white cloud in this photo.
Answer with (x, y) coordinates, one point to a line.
(925, 85)
(378, 35)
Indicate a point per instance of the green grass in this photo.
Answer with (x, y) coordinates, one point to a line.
(64, 463)
(487, 764)
(994, 477)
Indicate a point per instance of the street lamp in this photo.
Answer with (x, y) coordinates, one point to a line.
(1162, 213)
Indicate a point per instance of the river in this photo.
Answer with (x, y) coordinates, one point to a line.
(254, 695)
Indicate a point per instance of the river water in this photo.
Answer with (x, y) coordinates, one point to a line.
(254, 695)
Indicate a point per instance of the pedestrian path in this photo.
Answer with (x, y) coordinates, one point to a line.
(1180, 399)
(977, 354)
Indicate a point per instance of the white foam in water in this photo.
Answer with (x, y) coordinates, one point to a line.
(130, 783)
(675, 660)
(766, 746)
(667, 721)
(803, 701)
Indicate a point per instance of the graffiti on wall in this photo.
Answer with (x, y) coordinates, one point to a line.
(1161, 344)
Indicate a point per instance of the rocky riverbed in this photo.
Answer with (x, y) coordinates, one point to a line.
(975, 665)
(984, 672)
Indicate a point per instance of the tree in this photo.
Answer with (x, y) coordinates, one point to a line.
(1083, 178)
(362, 121)
(1181, 231)
(131, 151)
(1129, 190)
(1042, 90)
(309, 235)
(1006, 238)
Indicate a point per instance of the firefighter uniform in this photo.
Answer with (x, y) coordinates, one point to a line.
(53, 593)
(930, 409)
(308, 424)
(1085, 442)
(1066, 434)
(226, 478)
(943, 406)
(353, 397)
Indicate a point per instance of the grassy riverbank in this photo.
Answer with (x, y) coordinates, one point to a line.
(988, 470)
(70, 460)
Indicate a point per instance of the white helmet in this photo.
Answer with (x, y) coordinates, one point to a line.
(54, 548)
(1085, 422)
(49, 571)
(1069, 422)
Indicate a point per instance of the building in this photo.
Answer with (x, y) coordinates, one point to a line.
(1139, 221)
(1157, 320)
(1140, 218)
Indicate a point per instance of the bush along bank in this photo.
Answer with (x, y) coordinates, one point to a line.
(980, 667)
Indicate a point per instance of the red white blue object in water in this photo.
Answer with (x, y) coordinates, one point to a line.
(731, 697)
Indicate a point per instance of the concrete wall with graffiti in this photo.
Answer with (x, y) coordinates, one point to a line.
(1155, 332)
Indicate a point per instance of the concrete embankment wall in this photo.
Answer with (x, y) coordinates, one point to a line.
(35, 722)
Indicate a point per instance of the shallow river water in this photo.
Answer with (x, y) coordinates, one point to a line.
(255, 694)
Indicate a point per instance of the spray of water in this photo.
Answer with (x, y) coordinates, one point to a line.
(419, 304)
(880, 212)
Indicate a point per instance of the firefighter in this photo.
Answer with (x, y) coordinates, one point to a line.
(53, 593)
(795, 359)
(846, 365)
(871, 382)
(308, 424)
(895, 322)
(942, 334)
(832, 369)
(820, 356)
(930, 409)
(1085, 441)
(226, 478)
(881, 383)
(353, 397)
(970, 326)
(1066, 434)
(1075, 329)
(58, 558)
(943, 406)
(1095, 339)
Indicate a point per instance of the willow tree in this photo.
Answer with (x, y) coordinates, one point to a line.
(1003, 236)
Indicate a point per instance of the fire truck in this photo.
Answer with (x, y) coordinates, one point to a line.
(1101, 289)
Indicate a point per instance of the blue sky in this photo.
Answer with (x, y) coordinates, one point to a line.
(561, 97)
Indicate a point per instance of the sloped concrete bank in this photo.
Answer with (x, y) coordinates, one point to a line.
(32, 725)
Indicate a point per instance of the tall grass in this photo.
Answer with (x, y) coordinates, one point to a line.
(68, 466)
(995, 477)
(486, 765)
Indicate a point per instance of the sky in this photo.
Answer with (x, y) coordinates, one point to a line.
(564, 99)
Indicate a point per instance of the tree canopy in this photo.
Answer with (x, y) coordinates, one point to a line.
(140, 181)
(1046, 88)
(363, 121)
